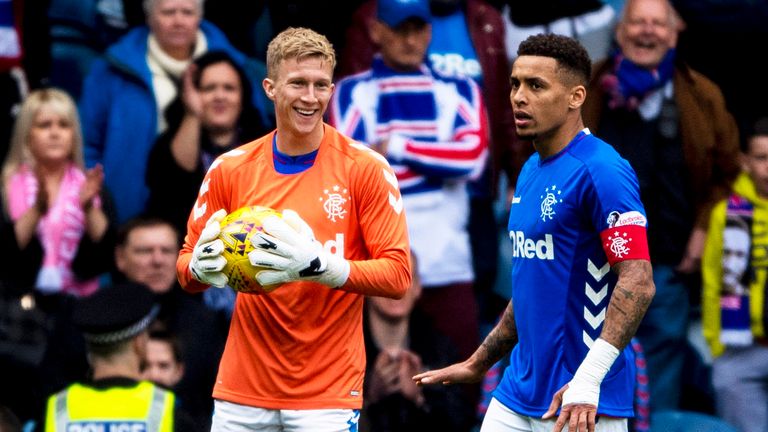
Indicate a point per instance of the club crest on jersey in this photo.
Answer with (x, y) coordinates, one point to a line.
(334, 202)
(618, 244)
(549, 199)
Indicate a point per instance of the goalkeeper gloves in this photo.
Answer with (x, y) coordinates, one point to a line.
(207, 262)
(287, 246)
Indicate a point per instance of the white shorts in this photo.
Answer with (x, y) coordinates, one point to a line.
(232, 417)
(499, 418)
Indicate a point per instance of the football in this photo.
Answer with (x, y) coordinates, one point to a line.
(237, 228)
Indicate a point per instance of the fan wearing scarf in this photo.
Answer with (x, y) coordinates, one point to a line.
(734, 307)
(52, 201)
(433, 130)
(672, 125)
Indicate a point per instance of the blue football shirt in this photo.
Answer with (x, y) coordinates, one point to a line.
(573, 215)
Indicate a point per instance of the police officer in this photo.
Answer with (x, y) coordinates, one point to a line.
(114, 323)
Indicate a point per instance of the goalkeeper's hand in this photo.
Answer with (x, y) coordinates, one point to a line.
(207, 262)
(287, 246)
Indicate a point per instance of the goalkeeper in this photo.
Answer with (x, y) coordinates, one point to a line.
(576, 215)
(294, 358)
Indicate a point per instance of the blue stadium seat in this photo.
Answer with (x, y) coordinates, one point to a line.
(686, 421)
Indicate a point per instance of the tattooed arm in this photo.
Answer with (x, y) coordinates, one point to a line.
(631, 297)
(496, 345)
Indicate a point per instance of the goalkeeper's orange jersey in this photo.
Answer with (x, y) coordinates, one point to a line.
(301, 346)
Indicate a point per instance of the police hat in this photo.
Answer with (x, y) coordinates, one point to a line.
(115, 313)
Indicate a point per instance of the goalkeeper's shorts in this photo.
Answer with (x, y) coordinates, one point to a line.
(228, 416)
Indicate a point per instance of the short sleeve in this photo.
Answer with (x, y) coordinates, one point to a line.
(618, 214)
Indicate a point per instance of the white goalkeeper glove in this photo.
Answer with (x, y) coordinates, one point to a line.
(287, 246)
(207, 262)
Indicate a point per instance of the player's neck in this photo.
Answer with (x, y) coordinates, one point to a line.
(294, 144)
(551, 144)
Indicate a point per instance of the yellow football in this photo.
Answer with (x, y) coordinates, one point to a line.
(237, 228)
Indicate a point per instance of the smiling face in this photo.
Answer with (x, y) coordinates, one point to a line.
(221, 93)
(51, 137)
(301, 90)
(174, 23)
(648, 31)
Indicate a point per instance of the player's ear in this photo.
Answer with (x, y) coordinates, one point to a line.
(269, 88)
(577, 96)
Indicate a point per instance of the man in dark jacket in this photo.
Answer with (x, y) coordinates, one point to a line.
(672, 125)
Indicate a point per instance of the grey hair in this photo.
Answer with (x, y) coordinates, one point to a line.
(149, 5)
(675, 20)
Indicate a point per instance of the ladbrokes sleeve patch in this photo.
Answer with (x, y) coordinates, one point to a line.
(625, 242)
(633, 217)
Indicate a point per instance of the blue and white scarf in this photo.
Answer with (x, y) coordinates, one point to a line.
(629, 83)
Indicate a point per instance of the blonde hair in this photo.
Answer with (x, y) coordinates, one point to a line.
(59, 102)
(298, 43)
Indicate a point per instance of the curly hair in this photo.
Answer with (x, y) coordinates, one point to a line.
(299, 43)
(568, 52)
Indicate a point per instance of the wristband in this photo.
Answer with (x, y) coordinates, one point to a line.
(584, 388)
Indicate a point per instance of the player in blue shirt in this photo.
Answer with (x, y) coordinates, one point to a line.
(576, 214)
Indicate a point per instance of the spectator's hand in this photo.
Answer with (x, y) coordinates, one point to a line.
(190, 95)
(691, 261)
(207, 262)
(94, 178)
(454, 374)
(385, 378)
(41, 199)
(580, 417)
(288, 247)
(410, 364)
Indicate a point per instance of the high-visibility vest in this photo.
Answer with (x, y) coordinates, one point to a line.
(142, 408)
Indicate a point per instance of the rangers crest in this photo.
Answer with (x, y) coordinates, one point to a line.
(617, 243)
(334, 202)
(548, 201)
